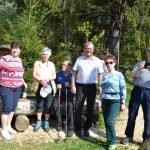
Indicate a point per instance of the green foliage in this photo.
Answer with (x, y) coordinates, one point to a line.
(85, 28)
(136, 34)
(26, 32)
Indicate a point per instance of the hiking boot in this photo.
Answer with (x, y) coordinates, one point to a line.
(127, 140)
(86, 133)
(5, 135)
(70, 133)
(11, 130)
(46, 126)
(37, 126)
(112, 147)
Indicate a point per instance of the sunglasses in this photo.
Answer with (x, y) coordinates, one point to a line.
(107, 63)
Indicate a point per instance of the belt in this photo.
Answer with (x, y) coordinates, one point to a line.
(85, 84)
(143, 88)
(112, 93)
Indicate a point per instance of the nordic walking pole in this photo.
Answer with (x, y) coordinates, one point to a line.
(66, 111)
(59, 93)
(74, 107)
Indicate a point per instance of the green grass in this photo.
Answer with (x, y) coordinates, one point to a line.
(68, 144)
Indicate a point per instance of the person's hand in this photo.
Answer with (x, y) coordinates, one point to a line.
(73, 89)
(66, 84)
(141, 65)
(59, 86)
(44, 83)
(99, 90)
(100, 107)
(122, 107)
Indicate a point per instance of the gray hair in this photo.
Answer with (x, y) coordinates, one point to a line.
(46, 49)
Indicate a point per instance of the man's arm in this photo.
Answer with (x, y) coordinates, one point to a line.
(73, 82)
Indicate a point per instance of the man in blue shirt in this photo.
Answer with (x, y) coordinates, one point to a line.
(63, 83)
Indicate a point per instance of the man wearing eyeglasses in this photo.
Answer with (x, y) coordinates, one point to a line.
(87, 71)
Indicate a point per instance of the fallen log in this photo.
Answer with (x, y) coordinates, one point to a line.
(27, 107)
(22, 123)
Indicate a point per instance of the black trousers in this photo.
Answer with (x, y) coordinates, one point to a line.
(84, 92)
(139, 96)
(70, 120)
(43, 103)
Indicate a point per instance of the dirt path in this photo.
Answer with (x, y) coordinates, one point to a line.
(122, 122)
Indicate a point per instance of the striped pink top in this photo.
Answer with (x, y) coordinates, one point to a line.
(11, 71)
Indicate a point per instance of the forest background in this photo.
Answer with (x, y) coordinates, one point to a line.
(122, 26)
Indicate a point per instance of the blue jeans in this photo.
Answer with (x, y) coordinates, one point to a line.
(10, 97)
(139, 96)
(110, 110)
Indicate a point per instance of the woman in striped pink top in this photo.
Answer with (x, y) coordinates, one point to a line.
(11, 81)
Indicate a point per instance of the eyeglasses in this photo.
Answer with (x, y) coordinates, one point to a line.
(110, 62)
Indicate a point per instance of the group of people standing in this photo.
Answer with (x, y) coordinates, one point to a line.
(88, 75)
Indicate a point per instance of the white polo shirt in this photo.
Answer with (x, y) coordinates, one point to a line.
(88, 69)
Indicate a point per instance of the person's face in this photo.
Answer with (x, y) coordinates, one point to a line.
(45, 57)
(110, 64)
(148, 55)
(15, 52)
(65, 66)
(88, 50)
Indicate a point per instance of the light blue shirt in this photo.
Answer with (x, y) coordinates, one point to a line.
(113, 86)
(141, 76)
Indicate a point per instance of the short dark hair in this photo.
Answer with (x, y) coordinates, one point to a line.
(109, 56)
(15, 44)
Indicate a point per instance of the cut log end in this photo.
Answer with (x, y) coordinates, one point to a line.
(21, 123)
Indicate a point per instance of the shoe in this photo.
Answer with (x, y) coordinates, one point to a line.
(112, 147)
(70, 133)
(86, 133)
(46, 126)
(37, 126)
(79, 134)
(5, 135)
(59, 129)
(11, 130)
(127, 140)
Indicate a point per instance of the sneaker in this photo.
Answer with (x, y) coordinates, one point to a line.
(70, 133)
(46, 126)
(37, 126)
(112, 147)
(127, 140)
(11, 130)
(86, 133)
(5, 135)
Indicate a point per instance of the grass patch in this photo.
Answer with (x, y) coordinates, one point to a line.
(68, 144)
